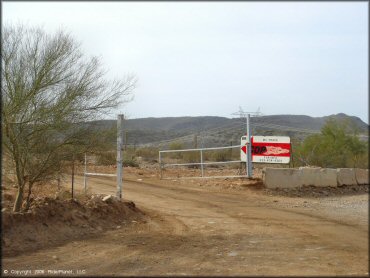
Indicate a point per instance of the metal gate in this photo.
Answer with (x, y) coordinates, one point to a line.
(201, 163)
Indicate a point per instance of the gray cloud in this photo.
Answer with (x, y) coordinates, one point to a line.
(210, 58)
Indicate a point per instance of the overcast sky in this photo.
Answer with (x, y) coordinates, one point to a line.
(209, 58)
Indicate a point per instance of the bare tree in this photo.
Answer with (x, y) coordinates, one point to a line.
(49, 88)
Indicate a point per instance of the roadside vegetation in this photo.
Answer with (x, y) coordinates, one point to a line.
(50, 89)
(337, 146)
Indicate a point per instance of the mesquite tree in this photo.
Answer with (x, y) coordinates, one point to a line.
(49, 90)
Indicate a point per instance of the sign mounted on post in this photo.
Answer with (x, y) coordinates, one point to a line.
(243, 150)
(267, 149)
(271, 149)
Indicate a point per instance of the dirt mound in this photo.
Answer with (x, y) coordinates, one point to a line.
(52, 221)
(317, 192)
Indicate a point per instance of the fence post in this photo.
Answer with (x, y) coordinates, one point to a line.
(160, 164)
(85, 178)
(119, 155)
(73, 174)
(201, 162)
(291, 155)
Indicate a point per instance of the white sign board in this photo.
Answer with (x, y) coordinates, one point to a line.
(271, 149)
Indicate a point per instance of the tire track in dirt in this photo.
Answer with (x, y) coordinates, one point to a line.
(317, 229)
(206, 232)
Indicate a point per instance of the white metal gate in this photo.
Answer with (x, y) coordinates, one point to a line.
(163, 165)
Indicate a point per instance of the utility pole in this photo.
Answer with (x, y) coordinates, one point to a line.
(247, 116)
(119, 155)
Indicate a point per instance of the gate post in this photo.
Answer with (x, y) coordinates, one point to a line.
(249, 149)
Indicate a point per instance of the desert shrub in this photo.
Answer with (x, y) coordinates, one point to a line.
(131, 162)
(192, 157)
(222, 155)
(106, 158)
(336, 146)
(110, 158)
(147, 153)
(176, 146)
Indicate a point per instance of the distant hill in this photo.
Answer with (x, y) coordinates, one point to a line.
(219, 131)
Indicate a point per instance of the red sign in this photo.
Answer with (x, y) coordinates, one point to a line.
(270, 149)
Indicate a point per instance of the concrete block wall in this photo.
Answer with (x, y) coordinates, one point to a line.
(346, 176)
(320, 177)
(362, 176)
(281, 177)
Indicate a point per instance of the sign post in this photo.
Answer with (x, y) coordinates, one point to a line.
(249, 148)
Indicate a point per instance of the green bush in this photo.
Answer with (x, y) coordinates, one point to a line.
(337, 146)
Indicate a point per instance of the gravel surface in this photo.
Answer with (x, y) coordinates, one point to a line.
(353, 209)
(318, 192)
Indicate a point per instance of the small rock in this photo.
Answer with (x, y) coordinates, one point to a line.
(118, 227)
(108, 199)
(232, 254)
(55, 257)
(139, 179)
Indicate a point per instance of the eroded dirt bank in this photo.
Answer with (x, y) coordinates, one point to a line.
(50, 222)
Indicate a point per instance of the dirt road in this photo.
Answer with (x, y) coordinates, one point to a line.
(197, 230)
